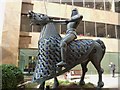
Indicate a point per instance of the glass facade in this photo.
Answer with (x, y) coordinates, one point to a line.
(109, 57)
(89, 3)
(117, 7)
(101, 31)
(85, 28)
(89, 28)
(27, 59)
(108, 5)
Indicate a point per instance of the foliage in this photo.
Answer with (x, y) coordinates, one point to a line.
(31, 85)
(11, 76)
(66, 82)
(63, 84)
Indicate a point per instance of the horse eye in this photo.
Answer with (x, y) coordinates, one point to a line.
(41, 15)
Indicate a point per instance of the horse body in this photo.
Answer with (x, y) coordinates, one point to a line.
(79, 52)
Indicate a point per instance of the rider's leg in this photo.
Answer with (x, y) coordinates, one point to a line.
(63, 47)
(66, 40)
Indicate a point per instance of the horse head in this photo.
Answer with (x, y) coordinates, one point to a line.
(48, 27)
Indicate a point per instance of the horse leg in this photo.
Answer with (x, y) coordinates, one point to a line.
(42, 86)
(56, 83)
(96, 62)
(84, 70)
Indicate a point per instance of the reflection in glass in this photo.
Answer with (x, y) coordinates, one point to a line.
(117, 7)
(80, 29)
(63, 29)
(90, 28)
(99, 4)
(68, 2)
(111, 31)
(89, 3)
(100, 28)
(107, 5)
(78, 3)
(54, 1)
(57, 26)
(118, 31)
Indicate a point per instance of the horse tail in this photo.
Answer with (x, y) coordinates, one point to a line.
(102, 45)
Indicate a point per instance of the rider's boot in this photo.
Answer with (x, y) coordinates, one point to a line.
(63, 57)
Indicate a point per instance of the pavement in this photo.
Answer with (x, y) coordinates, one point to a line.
(109, 81)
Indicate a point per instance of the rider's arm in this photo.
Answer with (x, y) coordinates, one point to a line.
(60, 21)
(73, 18)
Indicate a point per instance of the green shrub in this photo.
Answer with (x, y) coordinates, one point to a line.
(11, 76)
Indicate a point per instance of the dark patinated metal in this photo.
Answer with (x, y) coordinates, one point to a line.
(79, 51)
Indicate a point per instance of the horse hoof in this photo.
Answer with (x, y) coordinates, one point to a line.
(56, 85)
(82, 83)
(102, 70)
(100, 84)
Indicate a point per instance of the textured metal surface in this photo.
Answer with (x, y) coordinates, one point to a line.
(49, 56)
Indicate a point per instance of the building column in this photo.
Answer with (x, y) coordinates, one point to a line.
(95, 30)
(11, 31)
(2, 11)
(113, 5)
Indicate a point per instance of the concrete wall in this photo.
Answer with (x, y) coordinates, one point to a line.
(11, 30)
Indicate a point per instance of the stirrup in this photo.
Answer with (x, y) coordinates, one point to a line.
(61, 64)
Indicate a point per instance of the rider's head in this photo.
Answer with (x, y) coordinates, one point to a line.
(74, 12)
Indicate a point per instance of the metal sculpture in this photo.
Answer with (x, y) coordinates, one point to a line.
(79, 51)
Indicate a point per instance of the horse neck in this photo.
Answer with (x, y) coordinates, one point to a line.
(49, 30)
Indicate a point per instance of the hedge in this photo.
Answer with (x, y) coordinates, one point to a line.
(11, 76)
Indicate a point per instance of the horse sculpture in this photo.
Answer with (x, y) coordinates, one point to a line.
(79, 51)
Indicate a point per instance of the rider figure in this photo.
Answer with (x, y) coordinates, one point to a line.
(70, 35)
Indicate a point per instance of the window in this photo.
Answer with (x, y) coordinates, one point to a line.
(36, 28)
(54, 1)
(111, 31)
(78, 3)
(57, 26)
(25, 24)
(118, 31)
(89, 3)
(26, 6)
(80, 29)
(100, 28)
(68, 2)
(90, 28)
(107, 5)
(27, 59)
(63, 29)
(99, 4)
(117, 7)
